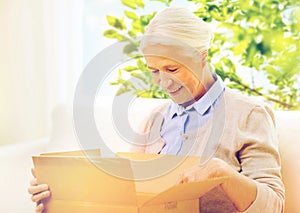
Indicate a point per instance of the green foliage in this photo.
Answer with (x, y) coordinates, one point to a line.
(259, 38)
(253, 37)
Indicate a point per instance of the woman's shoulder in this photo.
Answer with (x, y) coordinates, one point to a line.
(237, 100)
(245, 106)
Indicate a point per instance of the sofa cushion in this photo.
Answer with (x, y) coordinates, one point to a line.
(288, 128)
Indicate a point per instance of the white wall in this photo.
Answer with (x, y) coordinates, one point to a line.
(40, 59)
(22, 104)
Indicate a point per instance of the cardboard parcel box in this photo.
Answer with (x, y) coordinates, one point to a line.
(94, 184)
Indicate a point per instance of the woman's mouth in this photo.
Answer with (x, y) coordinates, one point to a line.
(175, 91)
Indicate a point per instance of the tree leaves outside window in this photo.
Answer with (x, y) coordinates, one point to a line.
(259, 37)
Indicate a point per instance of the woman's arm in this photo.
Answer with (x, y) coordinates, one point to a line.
(240, 189)
(257, 187)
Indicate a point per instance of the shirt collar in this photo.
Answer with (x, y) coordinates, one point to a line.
(204, 103)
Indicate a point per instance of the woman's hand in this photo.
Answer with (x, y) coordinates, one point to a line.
(212, 169)
(39, 192)
(240, 189)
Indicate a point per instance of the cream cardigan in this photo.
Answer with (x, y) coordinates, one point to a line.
(241, 132)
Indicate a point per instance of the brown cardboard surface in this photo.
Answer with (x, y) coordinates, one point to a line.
(167, 179)
(79, 185)
(186, 206)
(90, 152)
(77, 179)
(181, 192)
(62, 206)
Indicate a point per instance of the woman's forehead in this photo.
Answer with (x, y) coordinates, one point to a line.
(160, 61)
(174, 54)
(163, 50)
(166, 58)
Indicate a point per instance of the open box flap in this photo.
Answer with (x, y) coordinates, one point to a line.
(138, 156)
(89, 152)
(185, 191)
(166, 170)
(62, 173)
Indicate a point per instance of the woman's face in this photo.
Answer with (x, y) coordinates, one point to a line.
(182, 84)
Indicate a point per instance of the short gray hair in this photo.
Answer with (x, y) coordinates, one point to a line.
(180, 24)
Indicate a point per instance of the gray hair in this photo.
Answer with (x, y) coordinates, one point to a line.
(179, 25)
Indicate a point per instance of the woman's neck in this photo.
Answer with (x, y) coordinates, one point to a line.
(208, 80)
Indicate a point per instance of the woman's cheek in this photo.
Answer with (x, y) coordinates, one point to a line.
(156, 79)
(189, 81)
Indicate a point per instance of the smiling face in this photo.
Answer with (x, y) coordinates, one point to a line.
(175, 45)
(183, 85)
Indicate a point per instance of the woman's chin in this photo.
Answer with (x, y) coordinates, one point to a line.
(176, 100)
(182, 102)
(182, 99)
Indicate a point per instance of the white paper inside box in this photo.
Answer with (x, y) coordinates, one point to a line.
(78, 185)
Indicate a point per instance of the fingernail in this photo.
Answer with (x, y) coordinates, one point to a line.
(44, 186)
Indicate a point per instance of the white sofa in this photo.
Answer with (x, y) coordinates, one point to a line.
(288, 126)
(15, 160)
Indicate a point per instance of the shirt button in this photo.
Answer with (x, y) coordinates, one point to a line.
(185, 137)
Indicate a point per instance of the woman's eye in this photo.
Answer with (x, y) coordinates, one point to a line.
(172, 70)
(155, 71)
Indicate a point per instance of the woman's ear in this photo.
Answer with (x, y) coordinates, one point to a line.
(204, 55)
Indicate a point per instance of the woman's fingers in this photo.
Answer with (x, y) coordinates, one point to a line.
(38, 192)
(185, 178)
(212, 169)
(34, 189)
(33, 182)
(39, 208)
(33, 172)
(40, 196)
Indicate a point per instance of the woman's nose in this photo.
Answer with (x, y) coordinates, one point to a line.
(165, 80)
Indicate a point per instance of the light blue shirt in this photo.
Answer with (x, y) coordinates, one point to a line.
(179, 122)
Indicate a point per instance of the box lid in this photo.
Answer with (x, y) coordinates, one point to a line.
(89, 152)
(186, 191)
(64, 173)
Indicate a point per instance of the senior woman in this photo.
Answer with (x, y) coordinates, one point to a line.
(206, 119)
